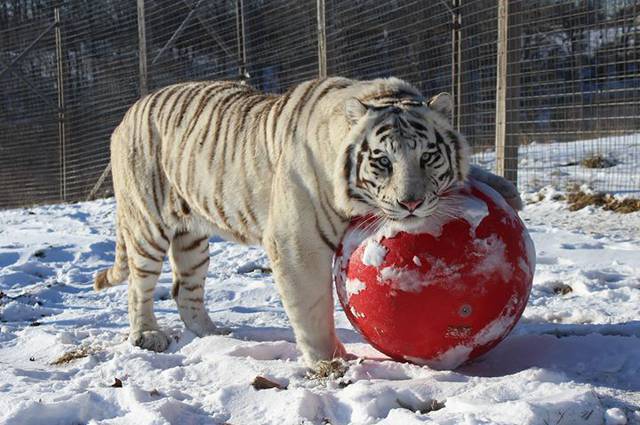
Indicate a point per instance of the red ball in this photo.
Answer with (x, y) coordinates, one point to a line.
(445, 291)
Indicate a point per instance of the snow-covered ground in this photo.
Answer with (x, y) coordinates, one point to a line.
(559, 164)
(573, 359)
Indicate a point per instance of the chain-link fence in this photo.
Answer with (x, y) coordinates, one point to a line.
(546, 91)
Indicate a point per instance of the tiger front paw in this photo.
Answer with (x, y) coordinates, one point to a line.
(154, 340)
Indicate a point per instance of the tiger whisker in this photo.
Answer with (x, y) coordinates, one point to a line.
(370, 216)
(374, 224)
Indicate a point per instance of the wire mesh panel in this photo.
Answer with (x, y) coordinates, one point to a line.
(478, 78)
(571, 84)
(409, 39)
(577, 93)
(100, 82)
(191, 40)
(29, 148)
(281, 43)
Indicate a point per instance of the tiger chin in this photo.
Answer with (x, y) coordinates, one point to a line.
(287, 172)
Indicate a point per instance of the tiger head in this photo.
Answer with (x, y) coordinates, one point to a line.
(403, 156)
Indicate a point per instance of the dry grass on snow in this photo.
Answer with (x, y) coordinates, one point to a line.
(578, 200)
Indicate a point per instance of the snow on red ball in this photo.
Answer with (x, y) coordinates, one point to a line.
(445, 291)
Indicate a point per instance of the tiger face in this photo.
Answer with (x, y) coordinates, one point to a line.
(404, 156)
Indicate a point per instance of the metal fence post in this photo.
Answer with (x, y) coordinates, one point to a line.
(456, 62)
(512, 90)
(143, 81)
(322, 40)
(506, 101)
(142, 49)
(62, 137)
(501, 85)
(242, 51)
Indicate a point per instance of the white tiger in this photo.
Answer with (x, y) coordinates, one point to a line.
(287, 172)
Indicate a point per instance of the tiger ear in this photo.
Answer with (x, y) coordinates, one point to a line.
(354, 110)
(442, 103)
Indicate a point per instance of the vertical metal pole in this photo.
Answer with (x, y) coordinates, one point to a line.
(458, 11)
(242, 52)
(142, 49)
(459, 82)
(454, 58)
(143, 82)
(501, 85)
(322, 40)
(62, 136)
(512, 103)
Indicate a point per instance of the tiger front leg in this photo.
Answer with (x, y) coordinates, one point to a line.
(299, 242)
(303, 277)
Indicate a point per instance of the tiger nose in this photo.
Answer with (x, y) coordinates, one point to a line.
(411, 204)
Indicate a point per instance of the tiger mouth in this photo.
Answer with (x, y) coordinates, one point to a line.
(410, 218)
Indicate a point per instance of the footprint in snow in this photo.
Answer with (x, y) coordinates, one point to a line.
(102, 251)
(54, 254)
(26, 274)
(604, 276)
(8, 258)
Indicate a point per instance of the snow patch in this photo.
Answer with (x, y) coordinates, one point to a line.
(354, 286)
(412, 280)
(355, 312)
(493, 330)
(570, 361)
(403, 279)
(524, 267)
(450, 359)
(81, 408)
(373, 254)
(530, 250)
(474, 210)
(15, 311)
(493, 252)
(615, 416)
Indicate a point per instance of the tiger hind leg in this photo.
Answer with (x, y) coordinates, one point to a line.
(146, 253)
(189, 256)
